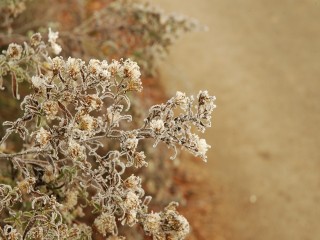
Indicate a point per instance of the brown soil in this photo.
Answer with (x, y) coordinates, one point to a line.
(261, 60)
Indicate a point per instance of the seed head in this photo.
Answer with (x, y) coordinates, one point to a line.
(14, 51)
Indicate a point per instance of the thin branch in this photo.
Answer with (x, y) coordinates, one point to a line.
(30, 151)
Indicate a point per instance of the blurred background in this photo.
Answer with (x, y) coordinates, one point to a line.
(261, 60)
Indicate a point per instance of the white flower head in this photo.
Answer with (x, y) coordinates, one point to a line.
(105, 224)
(181, 100)
(35, 39)
(93, 101)
(105, 73)
(174, 223)
(139, 160)
(50, 108)
(57, 63)
(152, 223)
(202, 146)
(130, 144)
(14, 51)
(131, 70)
(43, 137)
(115, 68)
(39, 82)
(73, 67)
(76, 151)
(94, 66)
(133, 182)
(206, 100)
(56, 48)
(87, 123)
(132, 201)
(52, 38)
(130, 218)
(157, 126)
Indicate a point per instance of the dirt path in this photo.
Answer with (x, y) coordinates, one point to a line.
(261, 60)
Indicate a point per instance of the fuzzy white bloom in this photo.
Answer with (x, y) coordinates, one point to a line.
(181, 227)
(164, 19)
(174, 224)
(14, 51)
(139, 160)
(57, 63)
(130, 144)
(105, 224)
(94, 66)
(52, 38)
(43, 136)
(76, 151)
(152, 223)
(93, 101)
(104, 64)
(157, 126)
(131, 69)
(87, 123)
(202, 146)
(133, 182)
(73, 67)
(39, 82)
(35, 39)
(105, 73)
(99, 69)
(50, 108)
(206, 103)
(132, 201)
(181, 100)
(130, 218)
(56, 48)
(115, 68)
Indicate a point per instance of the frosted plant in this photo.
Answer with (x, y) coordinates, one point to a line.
(76, 150)
(114, 29)
(23, 61)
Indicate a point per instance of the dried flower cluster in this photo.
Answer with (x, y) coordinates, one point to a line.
(75, 108)
(81, 142)
(118, 28)
(33, 56)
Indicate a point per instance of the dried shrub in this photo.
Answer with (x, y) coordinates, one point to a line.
(83, 145)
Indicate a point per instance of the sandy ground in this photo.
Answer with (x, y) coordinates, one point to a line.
(261, 60)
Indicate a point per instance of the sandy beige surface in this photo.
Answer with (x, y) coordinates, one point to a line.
(261, 60)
